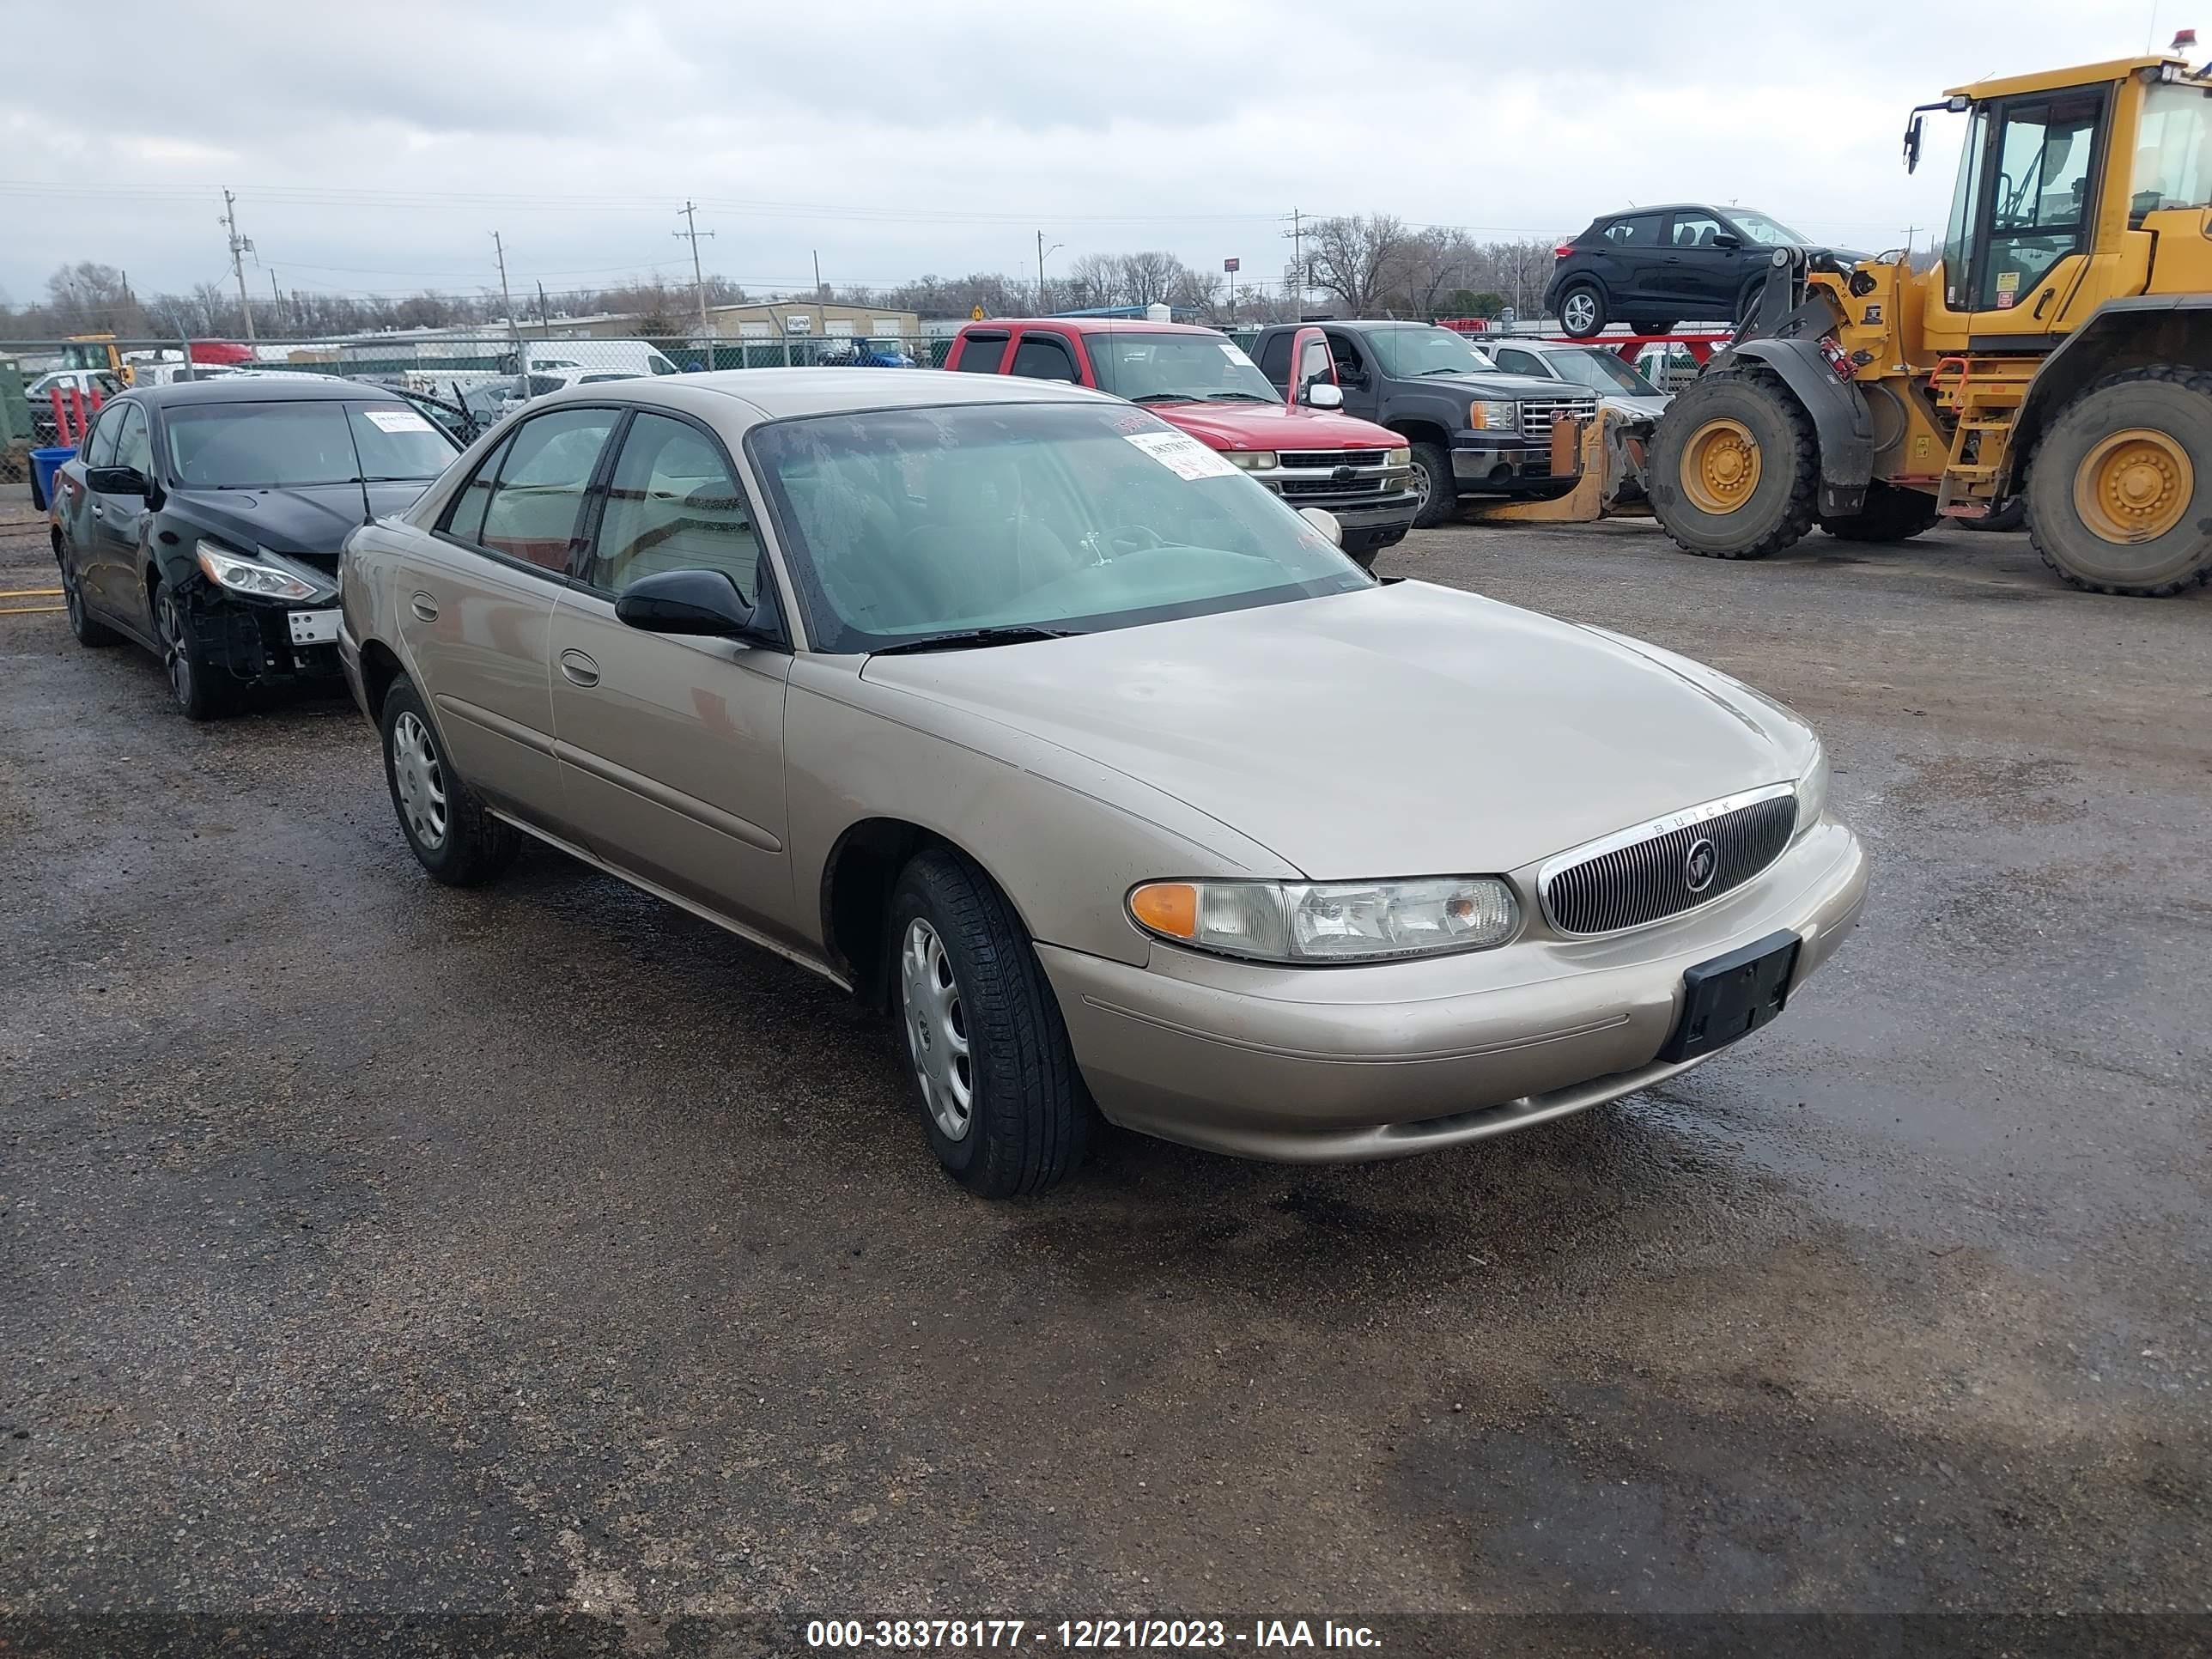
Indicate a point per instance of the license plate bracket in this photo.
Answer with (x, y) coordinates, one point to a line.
(313, 626)
(1732, 996)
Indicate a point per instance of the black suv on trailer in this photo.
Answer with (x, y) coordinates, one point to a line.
(203, 520)
(1651, 267)
(1474, 429)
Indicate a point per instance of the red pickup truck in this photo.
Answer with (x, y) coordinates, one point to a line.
(1200, 381)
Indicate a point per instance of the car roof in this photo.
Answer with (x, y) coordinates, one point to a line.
(248, 388)
(777, 394)
(1095, 324)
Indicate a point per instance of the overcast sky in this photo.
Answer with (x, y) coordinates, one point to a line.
(374, 147)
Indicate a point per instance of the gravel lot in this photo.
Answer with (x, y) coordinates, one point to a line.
(367, 1247)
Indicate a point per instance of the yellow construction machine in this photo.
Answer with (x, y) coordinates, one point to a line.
(2059, 352)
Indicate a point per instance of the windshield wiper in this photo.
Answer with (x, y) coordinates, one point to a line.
(1165, 397)
(970, 639)
(1470, 369)
(1236, 398)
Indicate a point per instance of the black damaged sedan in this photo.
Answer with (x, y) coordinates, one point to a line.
(203, 520)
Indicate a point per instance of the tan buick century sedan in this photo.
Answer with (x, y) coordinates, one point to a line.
(1035, 723)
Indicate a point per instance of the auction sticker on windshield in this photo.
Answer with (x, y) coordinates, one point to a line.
(396, 419)
(1181, 454)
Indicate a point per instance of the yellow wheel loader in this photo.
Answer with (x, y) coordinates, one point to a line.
(2060, 352)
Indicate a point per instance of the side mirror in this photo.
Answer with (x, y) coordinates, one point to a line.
(1325, 521)
(117, 480)
(1727, 239)
(1912, 146)
(1320, 394)
(697, 602)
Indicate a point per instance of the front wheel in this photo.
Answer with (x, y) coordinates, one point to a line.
(448, 828)
(201, 690)
(988, 1056)
(1435, 488)
(1734, 468)
(2119, 492)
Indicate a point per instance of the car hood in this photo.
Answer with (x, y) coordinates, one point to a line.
(1522, 387)
(1274, 426)
(1635, 404)
(1405, 730)
(313, 519)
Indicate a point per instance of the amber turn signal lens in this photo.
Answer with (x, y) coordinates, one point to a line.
(1167, 906)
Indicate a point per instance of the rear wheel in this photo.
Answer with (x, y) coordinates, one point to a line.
(1666, 327)
(1581, 310)
(1734, 465)
(1435, 489)
(1891, 513)
(2119, 496)
(1004, 1105)
(87, 632)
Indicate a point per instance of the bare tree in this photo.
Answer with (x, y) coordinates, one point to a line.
(1359, 258)
(1436, 261)
(1148, 276)
(1092, 281)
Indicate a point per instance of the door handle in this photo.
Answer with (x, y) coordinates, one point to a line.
(580, 669)
(423, 606)
(98, 512)
(2044, 301)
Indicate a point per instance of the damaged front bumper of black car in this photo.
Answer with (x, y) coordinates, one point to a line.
(268, 618)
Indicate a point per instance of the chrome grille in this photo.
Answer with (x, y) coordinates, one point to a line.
(1538, 418)
(1643, 875)
(1373, 483)
(1330, 457)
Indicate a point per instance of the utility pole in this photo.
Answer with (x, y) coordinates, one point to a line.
(698, 281)
(238, 247)
(1298, 235)
(275, 301)
(544, 326)
(817, 275)
(499, 253)
(1041, 251)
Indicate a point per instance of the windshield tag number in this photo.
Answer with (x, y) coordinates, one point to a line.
(1181, 454)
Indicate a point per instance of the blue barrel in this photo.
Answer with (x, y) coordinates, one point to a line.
(44, 463)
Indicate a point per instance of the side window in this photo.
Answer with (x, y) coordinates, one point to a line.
(2041, 200)
(532, 516)
(1521, 362)
(1043, 357)
(674, 504)
(466, 517)
(1638, 230)
(1275, 359)
(1693, 230)
(982, 354)
(1349, 364)
(99, 450)
(542, 383)
(134, 448)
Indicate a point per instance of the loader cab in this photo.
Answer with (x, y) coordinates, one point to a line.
(2064, 182)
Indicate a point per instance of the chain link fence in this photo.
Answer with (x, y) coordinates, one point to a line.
(50, 389)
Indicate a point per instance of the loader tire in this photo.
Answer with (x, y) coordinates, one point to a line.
(1891, 513)
(2120, 493)
(1735, 468)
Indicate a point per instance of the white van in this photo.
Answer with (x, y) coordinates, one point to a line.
(551, 356)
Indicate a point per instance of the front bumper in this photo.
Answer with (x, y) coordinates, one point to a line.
(1341, 1065)
(1496, 463)
(252, 640)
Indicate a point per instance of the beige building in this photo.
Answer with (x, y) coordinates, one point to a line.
(769, 320)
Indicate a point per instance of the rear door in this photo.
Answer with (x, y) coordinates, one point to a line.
(1633, 258)
(1046, 354)
(476, 609)
(672, 747)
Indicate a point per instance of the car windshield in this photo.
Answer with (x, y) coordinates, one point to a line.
(1602, 371)
(1163, 367)
(903, 525)
(1407, 353)
(1768, 232)
(277, 445)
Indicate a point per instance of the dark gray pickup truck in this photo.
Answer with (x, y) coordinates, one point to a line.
(1475, 430)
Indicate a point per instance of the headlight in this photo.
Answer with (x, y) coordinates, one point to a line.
(263, 581)
(1398, 460)
(1812, 790)
(1330, 921)
(1252, 460)
(1485, 416)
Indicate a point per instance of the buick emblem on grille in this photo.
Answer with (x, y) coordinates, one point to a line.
(1702, 864)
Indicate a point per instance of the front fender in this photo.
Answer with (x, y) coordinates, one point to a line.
(1840, 418)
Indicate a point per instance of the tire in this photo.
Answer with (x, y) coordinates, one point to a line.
(975, 1012)
(2010, 516)
(1746, 302)
(1582, 311)
(1772, 433)
(89, 633)
(1891, 513)
(1439, 489)
(447, 826)
(2084, 528)
(1666, 327)
(199, 689)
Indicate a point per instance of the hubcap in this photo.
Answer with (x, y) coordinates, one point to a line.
(419, 781)
(2133, 486)
(1580, 311)
(1424, 487)
(937, 1029)
(1720, 466)
(175, 658)
(70, 599)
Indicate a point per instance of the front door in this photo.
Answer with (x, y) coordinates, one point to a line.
(477, 613)
(1697, 272)
(1359, 378)
(671, 747)
(2022, 219)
